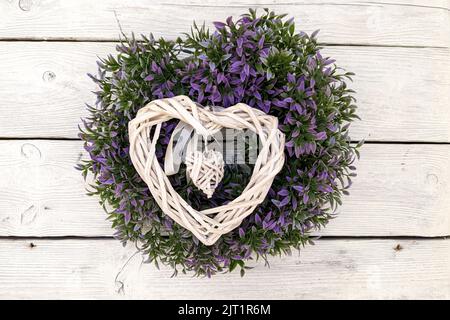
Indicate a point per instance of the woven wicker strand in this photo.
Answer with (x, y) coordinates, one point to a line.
(210, 224)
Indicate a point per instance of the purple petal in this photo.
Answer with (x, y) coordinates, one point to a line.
(305, 198)
(219, 25)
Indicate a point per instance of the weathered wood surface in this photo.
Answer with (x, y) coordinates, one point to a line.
(390, 22)
(340, 269)
(401, 190)
(400, 52)
(403, 93)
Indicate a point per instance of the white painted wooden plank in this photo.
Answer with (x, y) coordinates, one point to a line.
(403, 93)
(336, 269)
(401, 190)
(390, 22)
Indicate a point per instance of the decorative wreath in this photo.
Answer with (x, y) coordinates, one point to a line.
(210, 216)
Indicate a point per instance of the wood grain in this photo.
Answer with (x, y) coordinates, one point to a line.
(403, 93)
(400, 52)
(338, 269)
(389, 22)
(401, 190)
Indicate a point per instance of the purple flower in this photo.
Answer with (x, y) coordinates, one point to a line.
(321, 135)
(219, 25)
(305, 198)
(257, 219)
(289, 144)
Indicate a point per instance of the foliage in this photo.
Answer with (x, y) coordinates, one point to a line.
(258, 60)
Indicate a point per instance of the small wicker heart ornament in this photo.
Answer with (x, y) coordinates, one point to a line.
(205, 169)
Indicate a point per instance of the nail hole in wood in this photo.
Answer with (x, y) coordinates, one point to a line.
(48, 76)
(25, 5)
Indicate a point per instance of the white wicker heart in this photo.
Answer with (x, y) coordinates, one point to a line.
(207, 225)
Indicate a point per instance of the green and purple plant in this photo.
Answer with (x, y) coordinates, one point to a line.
(257, 60)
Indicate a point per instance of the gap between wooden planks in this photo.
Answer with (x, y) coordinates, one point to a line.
(401, 190)
(403, 93)
(339, 269)
(389, 22)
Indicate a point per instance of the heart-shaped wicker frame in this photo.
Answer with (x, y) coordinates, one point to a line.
(207, 225)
